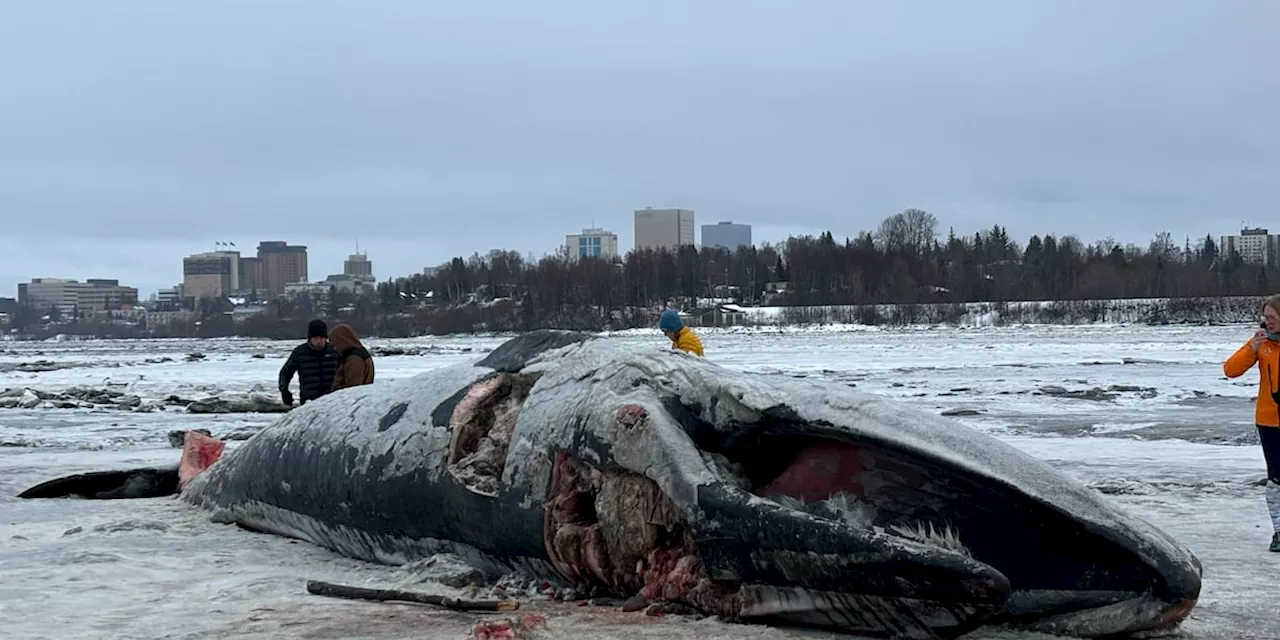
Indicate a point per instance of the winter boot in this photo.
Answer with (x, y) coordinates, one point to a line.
(1273, 506)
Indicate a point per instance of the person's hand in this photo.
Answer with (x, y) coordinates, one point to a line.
(286, 398)
(1258, 337)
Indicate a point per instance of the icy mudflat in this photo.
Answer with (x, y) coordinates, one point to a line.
(1142, 414)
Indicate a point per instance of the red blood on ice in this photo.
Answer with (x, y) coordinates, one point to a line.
(198, 452)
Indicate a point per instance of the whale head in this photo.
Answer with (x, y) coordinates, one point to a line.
(779, 499)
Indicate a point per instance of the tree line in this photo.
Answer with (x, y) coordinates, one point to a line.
(904, 261)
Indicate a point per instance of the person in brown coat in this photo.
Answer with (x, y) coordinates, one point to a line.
(355, 365)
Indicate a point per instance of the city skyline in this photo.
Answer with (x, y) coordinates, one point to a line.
(141, 136)
(1267, 249)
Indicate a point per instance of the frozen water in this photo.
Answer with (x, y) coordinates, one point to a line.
(1142, 414)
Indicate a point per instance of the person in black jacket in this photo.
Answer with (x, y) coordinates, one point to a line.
(315, 361)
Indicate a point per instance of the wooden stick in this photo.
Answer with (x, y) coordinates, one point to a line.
(360, 593)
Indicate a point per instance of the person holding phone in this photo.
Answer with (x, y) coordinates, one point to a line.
(1263, 349)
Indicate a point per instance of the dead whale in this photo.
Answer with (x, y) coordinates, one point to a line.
(754, 497)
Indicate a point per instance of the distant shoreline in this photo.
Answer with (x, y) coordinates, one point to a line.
(1127, 311)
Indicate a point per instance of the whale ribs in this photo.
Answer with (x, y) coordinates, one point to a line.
(482, 425)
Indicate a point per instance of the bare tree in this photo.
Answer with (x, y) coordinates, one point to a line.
(913, 229)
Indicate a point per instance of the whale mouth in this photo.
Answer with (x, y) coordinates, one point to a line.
(1059, 574)
(803, 525)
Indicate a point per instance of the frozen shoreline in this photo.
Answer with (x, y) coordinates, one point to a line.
(160, 569)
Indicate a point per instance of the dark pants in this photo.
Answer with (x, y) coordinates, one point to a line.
(1270, 438)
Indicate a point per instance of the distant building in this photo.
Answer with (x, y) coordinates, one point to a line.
(282, 264)
(251, 278)
(72, 296)
(101, 294)
(593, 242)
(213, 274)
(726, 235)
(8, 305)
(1255, 246)
(344, 283)
(358, 264)
(317, 291)
(663, 228)
(171, 297)
(49, 293)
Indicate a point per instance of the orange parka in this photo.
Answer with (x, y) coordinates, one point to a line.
(686, 340)
(1268, 360)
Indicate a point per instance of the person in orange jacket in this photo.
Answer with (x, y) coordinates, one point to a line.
(1263, 349)
(682, 337)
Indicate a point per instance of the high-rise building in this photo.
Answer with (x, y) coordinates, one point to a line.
(726, 235)
(1255, 246)
(213, 274)
(358, 264)
(593, 242)
(251, 274)
(281, 264)
(663, 228)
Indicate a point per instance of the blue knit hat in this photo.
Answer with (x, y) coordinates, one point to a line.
(670, 321)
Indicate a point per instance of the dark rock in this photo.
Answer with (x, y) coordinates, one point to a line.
(1096, 393)
(178, 437)
(250, 403)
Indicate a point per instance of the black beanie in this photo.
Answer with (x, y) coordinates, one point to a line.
(317, 328)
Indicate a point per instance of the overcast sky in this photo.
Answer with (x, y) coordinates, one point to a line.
(133, 133)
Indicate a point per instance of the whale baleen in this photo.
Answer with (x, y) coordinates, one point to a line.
(754, 497)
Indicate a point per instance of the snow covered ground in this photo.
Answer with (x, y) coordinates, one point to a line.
(1142, 414)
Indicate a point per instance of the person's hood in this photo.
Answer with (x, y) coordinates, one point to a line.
(344, 337)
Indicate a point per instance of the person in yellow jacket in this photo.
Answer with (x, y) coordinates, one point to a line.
(682, 337)
(1263, 349)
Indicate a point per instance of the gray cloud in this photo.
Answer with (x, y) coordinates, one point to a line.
(132, 133)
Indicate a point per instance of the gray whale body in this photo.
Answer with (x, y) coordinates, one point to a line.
(758, 498)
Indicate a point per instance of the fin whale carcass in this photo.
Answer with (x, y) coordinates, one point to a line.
(758, 498)
(753, 497)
